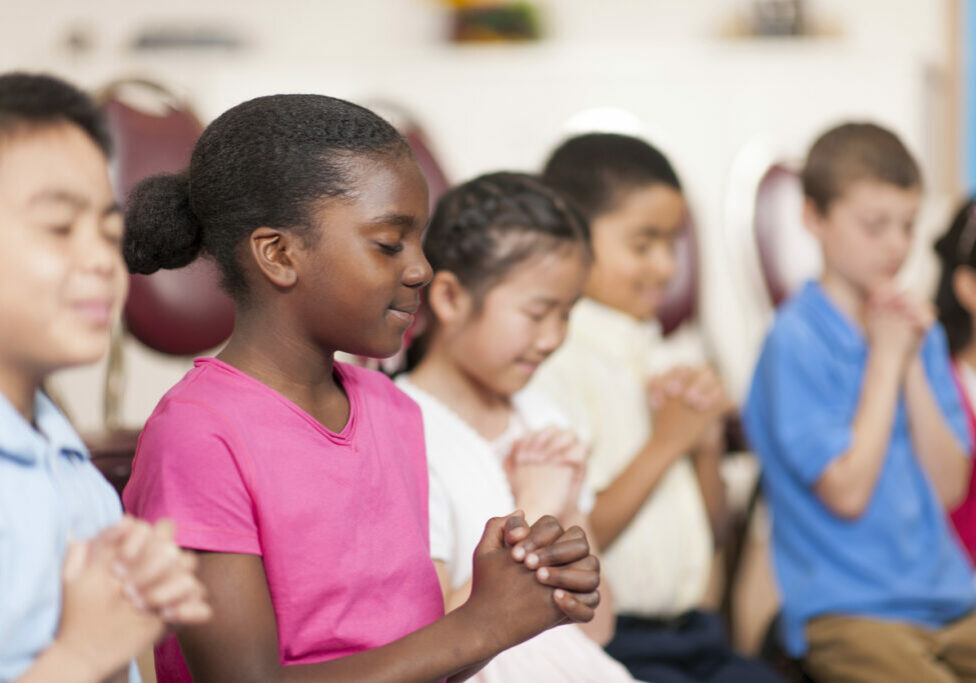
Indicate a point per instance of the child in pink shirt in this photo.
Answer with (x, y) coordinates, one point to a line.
(956, 301)
(302, 482)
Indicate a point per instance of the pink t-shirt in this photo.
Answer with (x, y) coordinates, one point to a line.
(340, 520)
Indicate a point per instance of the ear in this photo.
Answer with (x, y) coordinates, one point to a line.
(964, 287)
(813, 220)
(449, 300)
(273, 251)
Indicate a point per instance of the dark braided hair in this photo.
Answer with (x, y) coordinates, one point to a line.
(596, 169)
(265, 162)
(35, 100)
(957, 247)
(483, 228)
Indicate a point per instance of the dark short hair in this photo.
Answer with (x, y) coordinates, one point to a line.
(30, 101)
(596, 169)
(957, 247)
(852, 152)
(265, 162)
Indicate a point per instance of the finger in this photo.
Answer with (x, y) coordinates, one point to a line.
(493, 536)
(576, 580)
(591, 599)
(558, 554)
(573, 609)
(158, 560)
(136, 538)
(545, 531)
(516, 528)
(181, 587)
(188, 613)
(75, 560)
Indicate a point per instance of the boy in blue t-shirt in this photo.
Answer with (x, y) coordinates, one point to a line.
(863, 442)
(82, 588)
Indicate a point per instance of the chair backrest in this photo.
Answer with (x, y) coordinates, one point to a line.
(182, 311)
(788, 254)
(681, 298)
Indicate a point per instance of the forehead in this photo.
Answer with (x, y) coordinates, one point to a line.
(875, 194)
(557, 273)
(388, 185)
(52, 160)
(657, 206)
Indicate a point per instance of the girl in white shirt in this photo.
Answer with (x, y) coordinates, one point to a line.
(509, 259)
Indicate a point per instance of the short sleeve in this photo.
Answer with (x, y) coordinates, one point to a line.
(441, 521)
(796, 412)
(938, 369)
(190, 467)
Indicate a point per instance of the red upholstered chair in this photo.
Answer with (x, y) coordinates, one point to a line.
(681, 298)
(788, 254)
(178, 312)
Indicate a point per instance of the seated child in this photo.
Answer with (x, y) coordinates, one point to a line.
(84, 589)
(652, 412)
(956, 303)
(509, 260)
(302, 482)
(862, 439)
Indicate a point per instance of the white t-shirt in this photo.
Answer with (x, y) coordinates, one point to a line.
(660, 564)
(467, 487)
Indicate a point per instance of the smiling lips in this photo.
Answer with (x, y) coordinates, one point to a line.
(98, 312)
(404, 312)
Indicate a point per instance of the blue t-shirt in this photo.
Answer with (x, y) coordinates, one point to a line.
(50, 493)
(899, 560)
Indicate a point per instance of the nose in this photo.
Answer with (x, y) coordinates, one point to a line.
(96, 253)
(662, 261)
(551, 336)
(418, 273)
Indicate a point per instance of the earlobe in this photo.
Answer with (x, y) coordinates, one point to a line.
(273, 251)
(448, 299)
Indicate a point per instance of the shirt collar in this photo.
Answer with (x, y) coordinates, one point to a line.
(830, 321)
(613, 332)
(20, 441)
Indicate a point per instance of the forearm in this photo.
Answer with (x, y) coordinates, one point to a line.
(617, 504)
(938, 449)
(707, 460)
(848, 483)
(453, 647)
(58, 664)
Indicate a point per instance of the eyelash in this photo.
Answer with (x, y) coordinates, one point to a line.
(391, 250)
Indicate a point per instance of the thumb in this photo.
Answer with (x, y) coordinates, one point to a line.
(75, 560)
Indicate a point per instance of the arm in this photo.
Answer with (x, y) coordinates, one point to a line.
(508, 605)
(707, 458)
(937, 447)
(848, 482)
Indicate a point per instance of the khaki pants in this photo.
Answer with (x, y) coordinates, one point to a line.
(855, 650)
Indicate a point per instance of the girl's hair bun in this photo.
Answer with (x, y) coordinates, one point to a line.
(161, 230)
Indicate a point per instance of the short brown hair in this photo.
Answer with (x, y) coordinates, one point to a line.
(852, 152)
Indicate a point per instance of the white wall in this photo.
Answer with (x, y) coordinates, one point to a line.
(495, 107)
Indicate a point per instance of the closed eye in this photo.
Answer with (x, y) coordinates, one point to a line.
(391, 249)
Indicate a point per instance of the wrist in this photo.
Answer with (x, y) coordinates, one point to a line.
(474, 630)
(72, 664)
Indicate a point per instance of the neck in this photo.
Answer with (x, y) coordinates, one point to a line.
(19, 387)
(484, 410)
(845, 295)
(294, 367)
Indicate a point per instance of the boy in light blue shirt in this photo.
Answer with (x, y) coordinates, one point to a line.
(863, 442)
(82, 589)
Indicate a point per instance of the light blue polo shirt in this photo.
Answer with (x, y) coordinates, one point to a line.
(49, 493)
(899, 560)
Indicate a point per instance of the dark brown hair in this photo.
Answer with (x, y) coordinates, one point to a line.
(853, 152)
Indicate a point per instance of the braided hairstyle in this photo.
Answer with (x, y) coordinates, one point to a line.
(34, 100)
(957, 247)
(266, 162)
(596, 169)
(483, 228)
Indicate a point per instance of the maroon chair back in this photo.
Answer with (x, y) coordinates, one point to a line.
(681, 297)
(788, 254)
(182, 311)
